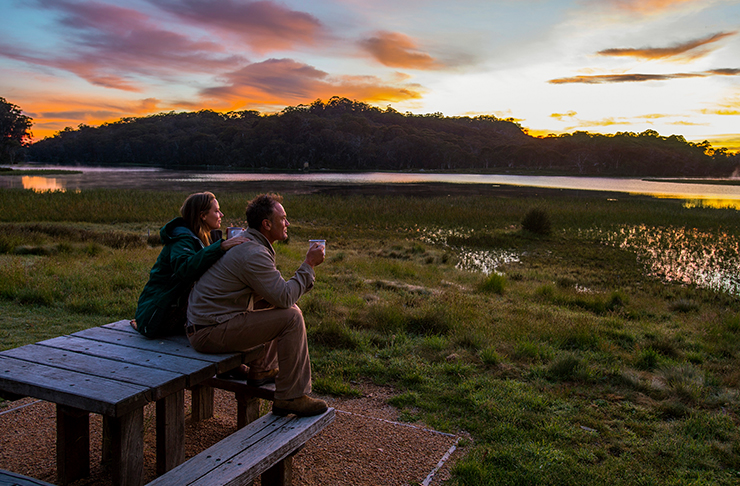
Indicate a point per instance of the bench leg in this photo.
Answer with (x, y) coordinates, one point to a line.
(247, 409)
(170, 431)
(127, 448)
(281, 474)
(201, 402)
(73, 444)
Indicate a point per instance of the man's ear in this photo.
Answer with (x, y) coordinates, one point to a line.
(266, 224)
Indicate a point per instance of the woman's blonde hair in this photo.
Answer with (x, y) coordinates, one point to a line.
(192, 210)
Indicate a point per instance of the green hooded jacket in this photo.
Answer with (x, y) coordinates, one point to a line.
(180, 263)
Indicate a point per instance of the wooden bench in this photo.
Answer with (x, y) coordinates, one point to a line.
(8, 478)
(263, 448)
(114, 371)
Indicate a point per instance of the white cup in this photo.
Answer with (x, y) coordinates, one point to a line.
(320, 242)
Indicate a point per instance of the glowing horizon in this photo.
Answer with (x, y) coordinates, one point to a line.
(553, 66)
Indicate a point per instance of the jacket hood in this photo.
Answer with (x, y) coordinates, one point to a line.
(175, 230)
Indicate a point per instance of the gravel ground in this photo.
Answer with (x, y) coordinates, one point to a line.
(364, 446)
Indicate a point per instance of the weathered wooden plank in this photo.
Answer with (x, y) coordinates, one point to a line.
(170, 431)
(8, 478)
(73, 444)
(201, 403)
(281, 474)
(161, 382)
(266, 392)
(123, 326)
(174, 345)
(247, 356)
(247, 453)
(127, 448)
(247, 410)
(195, 370)
(86, 392)
(283, 438)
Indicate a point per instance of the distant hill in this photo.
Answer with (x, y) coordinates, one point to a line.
(347, 135)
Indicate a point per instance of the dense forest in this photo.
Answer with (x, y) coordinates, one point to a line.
(347, 135)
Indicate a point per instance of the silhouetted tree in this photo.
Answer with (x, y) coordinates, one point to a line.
(342, 134)
(15, 131)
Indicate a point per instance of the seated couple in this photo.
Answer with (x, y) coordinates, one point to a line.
(239, 299)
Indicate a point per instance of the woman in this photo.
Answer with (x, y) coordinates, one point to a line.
(189, 250)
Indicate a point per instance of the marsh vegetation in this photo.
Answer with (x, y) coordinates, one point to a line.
(565, 354)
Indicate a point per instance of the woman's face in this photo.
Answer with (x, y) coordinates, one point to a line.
(212, 217)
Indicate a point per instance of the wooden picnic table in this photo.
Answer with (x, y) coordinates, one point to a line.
(114, 371)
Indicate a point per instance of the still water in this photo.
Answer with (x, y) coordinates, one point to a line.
(681, 255)
(697, 194)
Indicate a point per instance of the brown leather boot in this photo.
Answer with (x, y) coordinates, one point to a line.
(259, 378)
(304, 406)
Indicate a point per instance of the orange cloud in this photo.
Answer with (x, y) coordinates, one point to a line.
(394, 49)
(54, 114)
(285, 81)
(628, 78)
(561, 116)
(651, 6)
(264, 25)
(687, 50)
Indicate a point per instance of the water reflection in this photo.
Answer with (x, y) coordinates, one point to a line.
(485, 261)
(683, 255)
(713, 203)
(698, 194)
(42, 184)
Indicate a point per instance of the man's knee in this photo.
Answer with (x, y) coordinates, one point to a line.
(295, 315)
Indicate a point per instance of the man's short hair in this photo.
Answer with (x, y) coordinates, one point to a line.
(261, 208)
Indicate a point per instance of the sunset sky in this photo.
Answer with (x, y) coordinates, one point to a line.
(554, 66)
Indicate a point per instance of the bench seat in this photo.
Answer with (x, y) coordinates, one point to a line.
(8, 478)
(262, 448)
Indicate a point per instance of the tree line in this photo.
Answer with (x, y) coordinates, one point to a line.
(347, 135)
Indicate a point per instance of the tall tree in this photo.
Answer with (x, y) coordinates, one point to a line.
(15, 131)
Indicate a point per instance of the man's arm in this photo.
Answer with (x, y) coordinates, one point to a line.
(265, 279)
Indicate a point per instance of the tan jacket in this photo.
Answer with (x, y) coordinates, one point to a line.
(246, 271)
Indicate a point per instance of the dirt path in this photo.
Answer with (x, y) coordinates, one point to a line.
(364, 446)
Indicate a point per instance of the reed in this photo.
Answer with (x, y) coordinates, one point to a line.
(573, 364)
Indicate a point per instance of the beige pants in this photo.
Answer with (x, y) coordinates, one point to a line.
(287, 330)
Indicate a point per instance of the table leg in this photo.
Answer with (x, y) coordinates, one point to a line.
(170, 431)
(201, 402)
(247, 409)
(73, 444)
(127, 448)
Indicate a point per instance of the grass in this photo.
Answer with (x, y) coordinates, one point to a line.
(568, 365)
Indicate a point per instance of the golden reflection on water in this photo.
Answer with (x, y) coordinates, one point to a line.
(42, 184)
(694, 202)
(684, 255)
(708, 259)
(485, 261)
(713, 203)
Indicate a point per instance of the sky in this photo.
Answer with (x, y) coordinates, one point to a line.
(602, 66)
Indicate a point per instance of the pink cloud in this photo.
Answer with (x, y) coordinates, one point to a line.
(394, 49)
(110, 46)
(264, 25)
(285, 81)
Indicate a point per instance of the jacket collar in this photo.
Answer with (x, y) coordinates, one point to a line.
(260, 238)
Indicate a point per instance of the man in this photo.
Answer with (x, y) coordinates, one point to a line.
(243, 301)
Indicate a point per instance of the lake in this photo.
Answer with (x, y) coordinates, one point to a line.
(699, 194)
